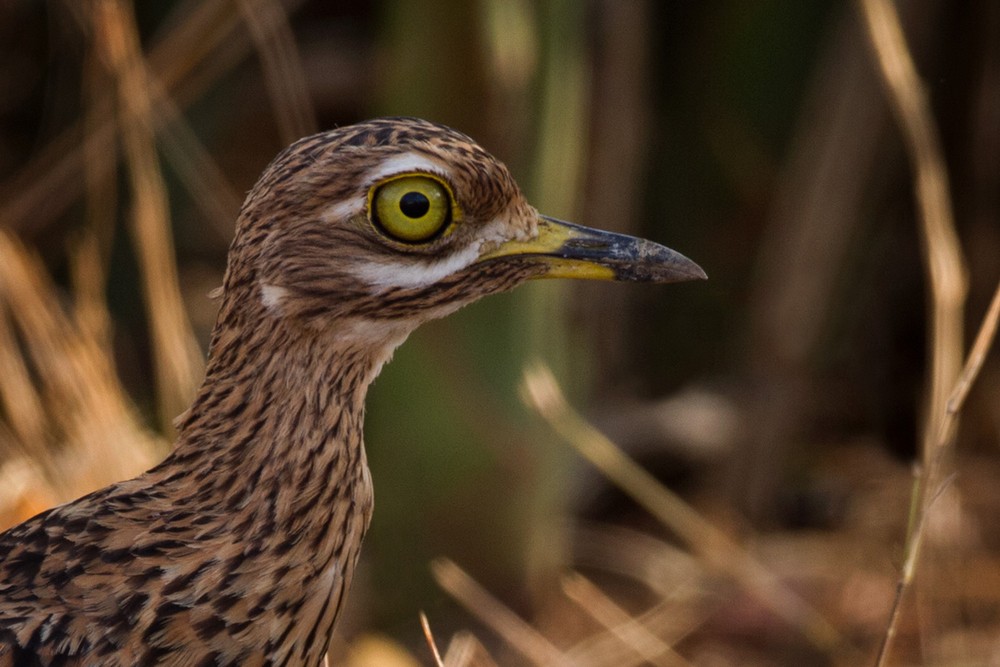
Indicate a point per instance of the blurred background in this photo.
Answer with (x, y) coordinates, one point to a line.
(784, 400)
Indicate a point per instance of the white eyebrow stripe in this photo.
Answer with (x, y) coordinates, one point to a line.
(406, 162)
(383, 276)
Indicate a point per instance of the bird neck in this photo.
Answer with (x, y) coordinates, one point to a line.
(276, 428)
(271, 462)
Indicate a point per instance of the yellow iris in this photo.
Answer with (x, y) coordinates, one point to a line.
(412, 208)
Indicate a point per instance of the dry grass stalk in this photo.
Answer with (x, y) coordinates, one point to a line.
(197, 170)
(46, 187)
(121, 95)
(93, 249)
(942, 252)
(58, 390)
(286, 82)
(177, 357)
(668, 621)
(544, 395)
(678, 580)
(973, 364)
(142, 106)
(666, 570)
(946, 272)
(202, 43)
(946, 425)
(425, 625)
(944, 263)
(514, 630)
(22, 406)
(199, 173)
(629, 630)
(465, 650)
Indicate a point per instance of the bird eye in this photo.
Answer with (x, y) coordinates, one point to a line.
(412, 209)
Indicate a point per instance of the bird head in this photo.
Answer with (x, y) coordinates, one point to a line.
(385, 224)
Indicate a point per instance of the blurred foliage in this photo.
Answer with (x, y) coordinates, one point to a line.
(695, 124)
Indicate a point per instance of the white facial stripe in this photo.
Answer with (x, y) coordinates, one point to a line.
(345, 209)
(272, 296)
(406, 162)
(384, 276)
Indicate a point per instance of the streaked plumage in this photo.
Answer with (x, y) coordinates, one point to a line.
(239, 548)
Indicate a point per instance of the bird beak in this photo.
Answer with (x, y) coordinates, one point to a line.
(573, 251)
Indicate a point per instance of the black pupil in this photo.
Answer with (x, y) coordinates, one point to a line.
(414, 205)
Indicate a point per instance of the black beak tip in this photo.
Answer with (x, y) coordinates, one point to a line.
(676, 268)
(697, 273)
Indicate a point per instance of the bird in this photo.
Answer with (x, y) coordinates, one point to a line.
(240, 546)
